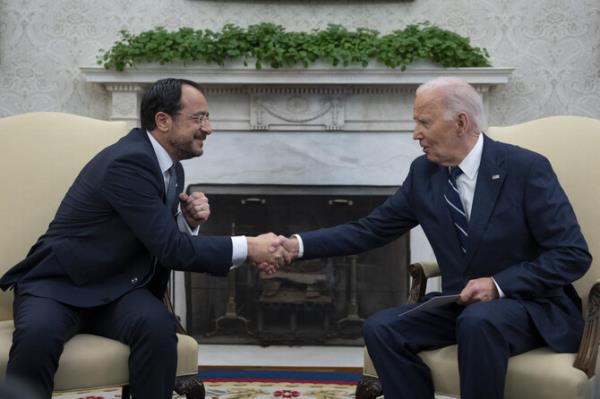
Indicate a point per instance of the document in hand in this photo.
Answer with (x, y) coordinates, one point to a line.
(434, 302)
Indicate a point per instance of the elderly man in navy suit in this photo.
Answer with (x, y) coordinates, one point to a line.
(506, 239)
(103, 265)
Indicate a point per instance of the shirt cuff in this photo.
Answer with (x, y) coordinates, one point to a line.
(300, 245)
(184, 227)
(240, 251)
(500, 292)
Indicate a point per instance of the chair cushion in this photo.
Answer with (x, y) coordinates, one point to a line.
(93, 361)
(533, 374)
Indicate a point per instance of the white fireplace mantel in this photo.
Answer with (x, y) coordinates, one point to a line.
(321, 125)
(237, 74)
(321, 97)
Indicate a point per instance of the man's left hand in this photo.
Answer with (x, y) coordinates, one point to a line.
(478, 290)
(195, 208)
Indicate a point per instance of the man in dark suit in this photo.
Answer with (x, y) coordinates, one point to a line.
(505, 237)
(103, 264)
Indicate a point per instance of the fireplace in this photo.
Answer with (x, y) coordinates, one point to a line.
(321, 301)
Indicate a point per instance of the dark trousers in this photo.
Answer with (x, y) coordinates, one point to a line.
(487, 334)
(137, 319)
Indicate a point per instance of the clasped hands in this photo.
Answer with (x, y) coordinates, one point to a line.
(269, 251)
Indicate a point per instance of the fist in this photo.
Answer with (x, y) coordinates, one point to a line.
(195, 208)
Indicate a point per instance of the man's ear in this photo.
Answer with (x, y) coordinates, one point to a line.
(462, 122)
(162, 121)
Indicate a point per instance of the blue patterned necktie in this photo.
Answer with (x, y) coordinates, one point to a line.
(457, 212)
(171, 194)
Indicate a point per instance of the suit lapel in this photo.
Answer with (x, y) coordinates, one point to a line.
(141, 135)
(490, 179)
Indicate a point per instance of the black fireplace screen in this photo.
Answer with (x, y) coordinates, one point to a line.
(322, 301)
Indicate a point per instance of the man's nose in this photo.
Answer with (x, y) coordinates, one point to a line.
(416, 133)
(206, 127)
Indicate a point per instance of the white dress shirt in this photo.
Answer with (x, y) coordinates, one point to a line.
(240, 246)
(467, 180)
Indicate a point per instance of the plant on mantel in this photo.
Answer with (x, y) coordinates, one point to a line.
(270, 44)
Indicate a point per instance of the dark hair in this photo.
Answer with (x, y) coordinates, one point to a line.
(163, 96)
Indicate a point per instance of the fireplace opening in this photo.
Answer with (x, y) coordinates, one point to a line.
(320, 301)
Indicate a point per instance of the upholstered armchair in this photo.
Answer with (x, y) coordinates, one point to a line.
(573, 146)
(40, 156)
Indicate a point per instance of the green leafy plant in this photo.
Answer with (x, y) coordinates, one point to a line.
(269, 44)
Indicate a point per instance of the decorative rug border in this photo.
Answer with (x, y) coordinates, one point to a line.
(340, 378)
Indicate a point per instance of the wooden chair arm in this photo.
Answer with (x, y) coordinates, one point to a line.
(588, 349)
(420, 272)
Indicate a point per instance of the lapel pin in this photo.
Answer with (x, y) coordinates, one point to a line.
(495, 177)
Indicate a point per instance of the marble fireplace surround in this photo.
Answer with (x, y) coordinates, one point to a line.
(316, 126)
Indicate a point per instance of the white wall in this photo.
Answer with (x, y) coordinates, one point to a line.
(554, 44)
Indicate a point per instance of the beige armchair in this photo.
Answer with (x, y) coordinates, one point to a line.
(572, 144)
(40, 156)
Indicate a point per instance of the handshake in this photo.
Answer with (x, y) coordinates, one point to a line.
(269, 252)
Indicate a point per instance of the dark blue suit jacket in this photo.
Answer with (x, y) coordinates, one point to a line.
(522, 231)
(113, 233)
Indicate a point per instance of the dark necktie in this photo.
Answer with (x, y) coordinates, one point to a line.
(171, 194)
(457, 212)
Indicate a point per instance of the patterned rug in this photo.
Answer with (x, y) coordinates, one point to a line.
(278, 384)
(257, 384)
(108, 393)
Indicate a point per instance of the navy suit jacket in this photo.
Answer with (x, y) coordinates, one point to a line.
(113, 233)
(522, 231)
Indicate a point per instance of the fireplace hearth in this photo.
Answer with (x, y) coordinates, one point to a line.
(320, 301)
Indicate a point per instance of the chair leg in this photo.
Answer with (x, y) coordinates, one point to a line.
(191, 386)
(368, 388)
(125, 392)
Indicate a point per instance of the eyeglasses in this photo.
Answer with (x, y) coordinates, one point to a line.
(200, 119)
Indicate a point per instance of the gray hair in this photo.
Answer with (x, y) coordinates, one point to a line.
(458, 96)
